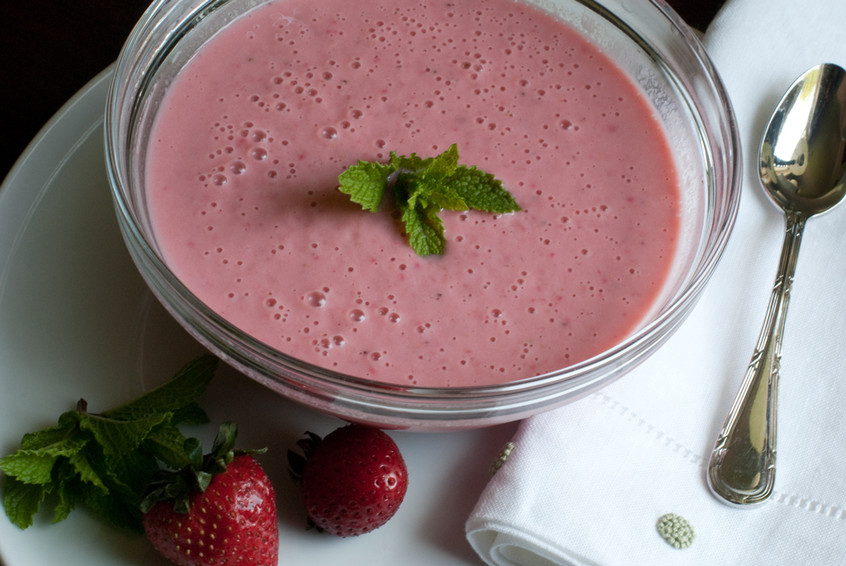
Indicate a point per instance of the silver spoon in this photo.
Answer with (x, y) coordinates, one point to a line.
(803, 169)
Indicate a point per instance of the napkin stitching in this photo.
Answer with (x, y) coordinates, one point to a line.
(652, 430)
(834, 511)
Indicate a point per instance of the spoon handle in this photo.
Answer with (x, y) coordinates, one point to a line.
(741, 469)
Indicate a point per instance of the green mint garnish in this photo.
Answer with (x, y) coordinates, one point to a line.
(421, 189)
(104, 461)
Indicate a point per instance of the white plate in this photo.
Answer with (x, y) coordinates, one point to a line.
(76, 320)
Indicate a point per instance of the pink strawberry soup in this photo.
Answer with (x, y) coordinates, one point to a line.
(242, 185)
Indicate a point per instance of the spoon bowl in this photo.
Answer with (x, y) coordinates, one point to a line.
(802, 152)
(803, 170)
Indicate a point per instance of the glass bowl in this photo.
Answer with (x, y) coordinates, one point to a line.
(647, 39)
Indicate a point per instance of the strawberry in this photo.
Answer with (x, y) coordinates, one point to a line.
(220, 510)
(353, 481)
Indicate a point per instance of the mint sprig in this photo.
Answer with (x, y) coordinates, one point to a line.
(104, 461)
(421, 189)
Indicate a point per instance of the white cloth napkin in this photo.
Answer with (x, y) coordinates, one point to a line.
(586, 484)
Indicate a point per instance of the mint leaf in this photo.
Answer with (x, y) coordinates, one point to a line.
(436, 170)
(190, 414)
(117, 438)
(118, 507)
(46, 437)
(365, 183)
(482, 191)
(189, 382)
(29, 466)
(425, 230)
(421, 189)
(66, 503)
(104, 461)
(166, 441)
(21, 501)
(410, 163)
(429, 191)
(446, 162)
(35, 465)
(425, 181)
(84, 469)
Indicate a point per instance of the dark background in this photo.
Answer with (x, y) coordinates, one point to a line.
(52, 48)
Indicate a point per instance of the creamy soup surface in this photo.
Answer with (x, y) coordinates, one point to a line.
(251, 136)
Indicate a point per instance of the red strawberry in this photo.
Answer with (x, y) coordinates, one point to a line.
(353, 481)
(224, 513)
